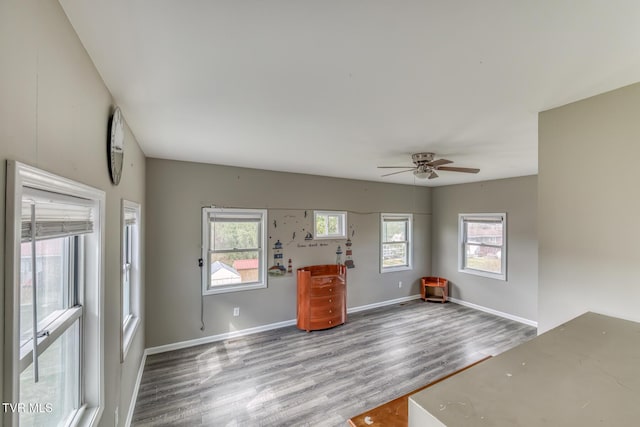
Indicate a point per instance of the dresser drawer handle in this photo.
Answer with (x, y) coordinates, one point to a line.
(330, 289)
(330, 300)
(329, 321)
(330, 311)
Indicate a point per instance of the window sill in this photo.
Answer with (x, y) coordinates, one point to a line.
(395, 269)
(87, 417)
(481, 273)
(234, 288)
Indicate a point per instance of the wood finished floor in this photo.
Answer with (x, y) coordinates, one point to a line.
(287, 377)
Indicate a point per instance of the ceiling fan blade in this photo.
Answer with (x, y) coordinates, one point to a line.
(433, 175)
(439, 162)
(393, 167)
(393, 173)
(456, 169)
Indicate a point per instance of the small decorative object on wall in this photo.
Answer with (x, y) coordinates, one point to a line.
(349, 262)
(339, 255)
(278, 269)
(290, 267)
(308, 236)
(115, 146)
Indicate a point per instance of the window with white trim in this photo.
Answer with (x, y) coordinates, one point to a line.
(233, 249)
(53, 330)
(130, 274)
(396, 242)
(483, 244)
(330, 225)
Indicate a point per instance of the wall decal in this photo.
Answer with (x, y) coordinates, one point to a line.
(349, 262)
(339, 255)
(277, 269)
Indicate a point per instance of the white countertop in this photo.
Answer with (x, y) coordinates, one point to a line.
(585, 372)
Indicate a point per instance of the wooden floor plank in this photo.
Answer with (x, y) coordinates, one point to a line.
(287, 377)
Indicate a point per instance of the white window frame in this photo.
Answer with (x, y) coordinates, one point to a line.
(21, 177)
(409, 242)
(462, 241)
(342, 225)
(130, 243)
(206, 250)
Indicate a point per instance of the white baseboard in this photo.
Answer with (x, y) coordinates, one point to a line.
(382, 304)
(496, 312)
(136, 387)
(263, 328)
(219, 337)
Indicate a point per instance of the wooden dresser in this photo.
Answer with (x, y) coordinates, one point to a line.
(322, 296)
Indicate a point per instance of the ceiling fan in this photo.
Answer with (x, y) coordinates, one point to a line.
(426, 166)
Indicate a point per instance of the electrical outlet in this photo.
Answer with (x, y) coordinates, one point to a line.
(236, 311)
(400, 284)
(116, 422)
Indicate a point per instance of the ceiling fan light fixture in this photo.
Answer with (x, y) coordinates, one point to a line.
(421, 174)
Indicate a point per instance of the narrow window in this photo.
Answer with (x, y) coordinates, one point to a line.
(330, 225)
(396, 242)
(483, 245)
(130, 274)
(234, 250)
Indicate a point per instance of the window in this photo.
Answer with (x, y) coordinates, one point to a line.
(54, 331)
(483, 245)
(395, 242)
(233, 250)
(130, 274)
(330, 224)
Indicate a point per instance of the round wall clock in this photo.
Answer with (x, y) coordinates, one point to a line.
(115, 147)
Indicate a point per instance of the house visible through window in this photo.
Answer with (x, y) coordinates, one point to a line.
(483, 244)
(395, 238)
(54, 324)
(234, 249)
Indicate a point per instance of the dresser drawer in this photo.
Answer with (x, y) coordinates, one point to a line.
(327, 290)
(327, 322)
(328, 308)
(326, 280)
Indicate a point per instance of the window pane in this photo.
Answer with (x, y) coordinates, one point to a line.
(228, 235)
(321, 225)
(126, 272)
(333, 224)
(394, 254)
(484, 232)
(126, 292)
(234, 268)
(483, 258)
(56, 395)
(394, 231)
(51, 272)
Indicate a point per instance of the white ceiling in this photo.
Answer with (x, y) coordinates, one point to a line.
(337, 87)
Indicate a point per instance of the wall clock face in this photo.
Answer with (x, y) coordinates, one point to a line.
(116, 146)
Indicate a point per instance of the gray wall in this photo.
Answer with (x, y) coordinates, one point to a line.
(176, 192)
(588, 208)
(54, 110)
(518, 198)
